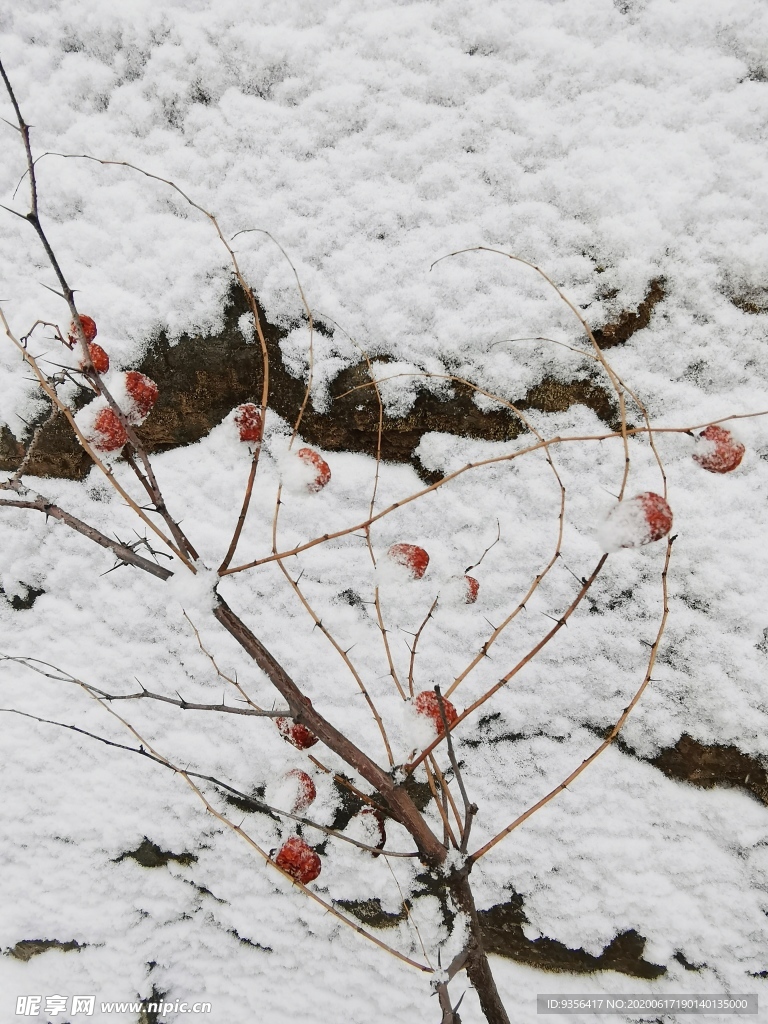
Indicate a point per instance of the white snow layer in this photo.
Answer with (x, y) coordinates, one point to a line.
(610, 144)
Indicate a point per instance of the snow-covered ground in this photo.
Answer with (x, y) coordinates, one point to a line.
(609, 143)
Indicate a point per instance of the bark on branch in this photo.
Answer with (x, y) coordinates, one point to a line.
(124, 552)
(400, 804)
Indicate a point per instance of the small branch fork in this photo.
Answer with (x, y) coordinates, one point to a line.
(470, 809)
(125, 553)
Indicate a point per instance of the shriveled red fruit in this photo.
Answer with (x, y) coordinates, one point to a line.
(636, 521)
(143, 393)
(89, 330)
(412, 557)
(473, 589)
(248, 422)
(297, 735)
(108, 432)
(719, 451)
(99, 358)
(305, 790)
(658, 515)
(298, 860)
(372, 827)
(426, 704)
(322, 470)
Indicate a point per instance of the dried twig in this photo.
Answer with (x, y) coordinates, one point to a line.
(611, 736)
(124, 552)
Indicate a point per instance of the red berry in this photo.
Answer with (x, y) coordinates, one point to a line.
(99, 358)
(372, 822)
(426, 704)
(658, 515)
(108, 432)
(248, 422)
(637, 521)
(722, 452)
(473, 589)
(143, 392)
(89, 330)
(297, 735)
(323, 471)
(305, 790)
(298, 860)
(412, 557)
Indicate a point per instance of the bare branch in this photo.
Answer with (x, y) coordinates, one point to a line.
(611, 736)
(468, 805)
(124, 552)
(400, 804)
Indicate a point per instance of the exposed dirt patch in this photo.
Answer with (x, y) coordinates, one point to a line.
(714, 765)
(22, 603)
(202, 379)
(503, 934)
(149, 1013)
(750, 304)
(28, 948)
(151, 856)
(370, 913)
(630, 321)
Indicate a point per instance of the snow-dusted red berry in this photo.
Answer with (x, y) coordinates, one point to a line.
(143, 392)
(426, 704)
(298, 735)
(322, 470)
(305, 790)
(298, 860)
(248, 422)
(636, 521)
(371, 823)
(412, 557)
(89, 330)
(473, 589)
(99, 358)
(718, 450)
(108, 432)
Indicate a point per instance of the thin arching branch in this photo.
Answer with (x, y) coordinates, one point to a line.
(612, 734)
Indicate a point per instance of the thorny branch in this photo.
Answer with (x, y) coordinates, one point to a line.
(255, 802)
(124, 552)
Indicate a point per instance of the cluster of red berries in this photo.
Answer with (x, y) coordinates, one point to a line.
(250, 428)
(99, 357)
(134, 393)
(295, 857)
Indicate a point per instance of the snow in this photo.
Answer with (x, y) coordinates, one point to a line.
(610, 144)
